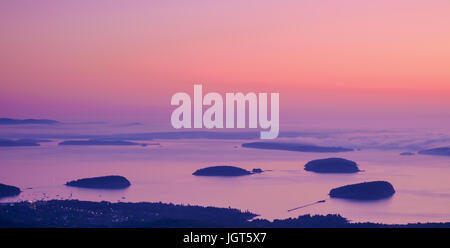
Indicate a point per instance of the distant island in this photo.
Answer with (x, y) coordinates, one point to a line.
(297, 147)
(8, 121)
(74, 213)
(99, 143)
(8, 190)
(105, 182)
(222, 170)
(332, 165)
(407, 154)
(19, 142)
(439, 151)
(364, 191)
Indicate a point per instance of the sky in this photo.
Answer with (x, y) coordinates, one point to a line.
(331, 61)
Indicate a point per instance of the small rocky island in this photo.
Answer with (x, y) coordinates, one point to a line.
(222, 171)
(439, 151)
(296, 147)
(8, 190)
(105, 182)
(99, 143)
(375, 190)
(332, 165)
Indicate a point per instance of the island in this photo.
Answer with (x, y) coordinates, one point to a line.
(407, 154)
(222, 171)
(297, 147)
(332, 165)
(19, 142)
(439, 151)
(8, 121)
(8, 190)
(375, 190)
(105, 182)
(99, 143)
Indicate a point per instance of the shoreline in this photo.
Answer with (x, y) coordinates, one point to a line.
(75, 213)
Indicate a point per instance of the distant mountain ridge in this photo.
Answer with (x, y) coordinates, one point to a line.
(19, 142)
(98, 143)
(439, 151)
(9, 121)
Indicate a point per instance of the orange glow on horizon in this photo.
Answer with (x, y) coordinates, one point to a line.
(138, 54)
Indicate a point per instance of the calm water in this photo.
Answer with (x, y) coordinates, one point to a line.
(163, 173)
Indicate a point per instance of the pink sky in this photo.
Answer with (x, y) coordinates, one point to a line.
(123, 60)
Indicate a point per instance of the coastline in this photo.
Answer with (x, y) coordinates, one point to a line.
(87, 214)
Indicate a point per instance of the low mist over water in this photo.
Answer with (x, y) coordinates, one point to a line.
(160, 169)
